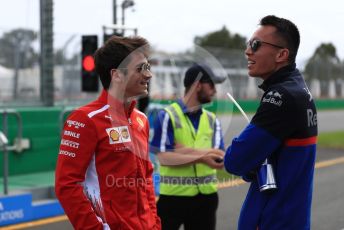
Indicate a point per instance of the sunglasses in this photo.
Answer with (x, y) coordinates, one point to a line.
(255, 44)
(144, 69)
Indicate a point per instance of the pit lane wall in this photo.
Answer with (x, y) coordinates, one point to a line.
(20, 208)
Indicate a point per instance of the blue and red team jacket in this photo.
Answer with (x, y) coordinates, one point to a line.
(284, 129)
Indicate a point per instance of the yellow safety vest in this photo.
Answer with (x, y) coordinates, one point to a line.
(191, 179)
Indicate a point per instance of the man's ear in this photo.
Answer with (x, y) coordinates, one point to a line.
(282, 56)
(198, 86)
(116, 76)
(195, 87)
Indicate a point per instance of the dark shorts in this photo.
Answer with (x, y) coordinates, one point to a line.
(196, 212)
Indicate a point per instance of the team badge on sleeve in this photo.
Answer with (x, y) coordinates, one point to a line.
(118, 134)
(273, 97)
(140, 122)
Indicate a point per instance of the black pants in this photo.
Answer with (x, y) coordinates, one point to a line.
(196, 212)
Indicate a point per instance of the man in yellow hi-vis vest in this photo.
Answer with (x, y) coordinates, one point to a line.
(189, 144)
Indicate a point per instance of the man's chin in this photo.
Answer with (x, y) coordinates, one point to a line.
(252, 74)
(145, 93)
(255, 74)
(205, 101)
(138, 95)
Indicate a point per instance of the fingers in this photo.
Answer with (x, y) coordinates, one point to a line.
(213, 160)
(216, 165)
(217, 152)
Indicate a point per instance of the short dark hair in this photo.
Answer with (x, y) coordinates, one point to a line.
(286, 30)
(112, 54)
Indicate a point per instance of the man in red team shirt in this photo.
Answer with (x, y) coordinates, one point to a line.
(103, 172)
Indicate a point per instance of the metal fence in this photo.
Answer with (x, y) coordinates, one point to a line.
(21, 86)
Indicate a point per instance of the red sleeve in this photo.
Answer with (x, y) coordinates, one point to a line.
(150, 186)
(78, 142)
(151, 195)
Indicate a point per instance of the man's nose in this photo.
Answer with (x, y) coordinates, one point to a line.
(248, 51)
(147, 74)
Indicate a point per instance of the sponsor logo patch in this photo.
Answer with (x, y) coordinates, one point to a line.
(140, 122)
(69, 143)
(108, 117)
(75, 124)
(309, 94)
(71, 134)
(125, 133)
(118, 134)
(114, 135)
(273, 97)
(66, 153)
(312, 119)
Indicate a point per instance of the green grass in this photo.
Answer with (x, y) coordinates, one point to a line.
(331, 140)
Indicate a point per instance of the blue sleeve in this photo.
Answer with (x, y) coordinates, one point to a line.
(218, 142)
(249, 150)
(163, 137)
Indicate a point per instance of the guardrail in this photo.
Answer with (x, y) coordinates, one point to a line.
(63, 113)
(19, 143)
(3, 147)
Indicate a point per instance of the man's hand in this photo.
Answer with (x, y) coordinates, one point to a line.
(217, 152)
(213, 158)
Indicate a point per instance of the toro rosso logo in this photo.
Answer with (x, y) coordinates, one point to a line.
(119, 134)
(273, 97)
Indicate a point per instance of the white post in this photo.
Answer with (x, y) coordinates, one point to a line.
(315, 88)
(332, 89)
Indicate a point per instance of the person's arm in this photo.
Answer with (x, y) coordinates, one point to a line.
(182, 156)
(77, 147)
(150, 187)
(272, 123)
(172, 154)
(151, 195)
(249, 150)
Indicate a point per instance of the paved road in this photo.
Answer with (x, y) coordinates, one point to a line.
(328, 202)
(327, 120)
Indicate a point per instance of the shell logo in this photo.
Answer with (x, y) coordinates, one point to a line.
(114, 135)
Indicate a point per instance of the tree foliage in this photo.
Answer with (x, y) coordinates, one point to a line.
(228, 48)
(16, 48)
(324, 63)
(60, 58)
(222, 39)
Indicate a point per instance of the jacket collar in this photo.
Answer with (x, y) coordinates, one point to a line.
(278, 76)
(185, 109)
(115, 104)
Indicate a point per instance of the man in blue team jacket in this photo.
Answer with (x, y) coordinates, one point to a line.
(284, 129)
